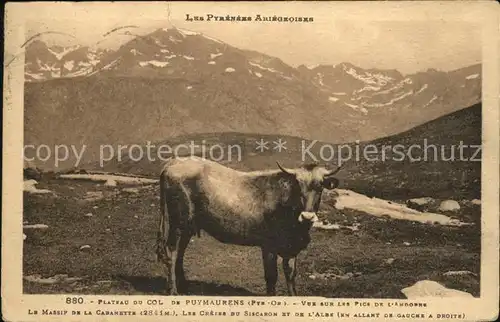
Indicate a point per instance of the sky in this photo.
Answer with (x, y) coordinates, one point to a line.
(380, 35)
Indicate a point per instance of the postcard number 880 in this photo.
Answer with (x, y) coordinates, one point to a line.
(74, 300)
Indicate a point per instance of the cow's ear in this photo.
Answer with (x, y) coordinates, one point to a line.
(330, 183)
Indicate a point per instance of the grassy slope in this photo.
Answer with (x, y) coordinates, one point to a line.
(122, 260)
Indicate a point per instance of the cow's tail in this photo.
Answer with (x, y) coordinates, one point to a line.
(164, 226)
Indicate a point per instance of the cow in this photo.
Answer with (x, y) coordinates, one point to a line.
(272, 209)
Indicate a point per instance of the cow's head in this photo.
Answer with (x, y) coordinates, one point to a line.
(312, 179)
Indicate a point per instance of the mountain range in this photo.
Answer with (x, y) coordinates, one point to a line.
(174, 82)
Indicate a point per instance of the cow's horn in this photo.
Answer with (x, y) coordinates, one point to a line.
(333, 172)
(283, 169)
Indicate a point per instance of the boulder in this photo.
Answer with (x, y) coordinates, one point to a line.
(36, 226)
(389, 261)
(449, 205)
(428, 288)
(110, 183)
(30, 187)
(459, 273)
(476, 202)
(131, 190)
(420, 204)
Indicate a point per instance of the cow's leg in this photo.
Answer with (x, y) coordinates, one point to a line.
(270, 270)
(182, 244)
(290, 270)
(166, 253)
(172, 246)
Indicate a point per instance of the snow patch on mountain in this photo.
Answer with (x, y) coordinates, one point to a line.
(164, 50)
(188, 57)
(351, 71)
(320, 79)
(84, 64)
(432, 100)
(339, 93)
(230, 70)
(212, 39)
(170, 56)
(310, 67)
(155, 63)
(64, 52)
(473, 76)
(93, 58)
(159, 43)
(333, 99)
(112, 64)
(368, 88)
(357, 108)
(272, 70)
(135, 52)
(401, 84)
(81, 72)
(211, 62)
(392, 101)
(423, 88)
(259, 75)
(212, 56)
(377, 79)
(69, 65)
(45, 67)
(185, 32)
(37, 76)
(174, 40)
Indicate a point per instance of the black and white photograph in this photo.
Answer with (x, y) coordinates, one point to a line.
(246, 153)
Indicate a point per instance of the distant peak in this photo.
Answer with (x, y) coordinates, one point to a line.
(312, 66)
(186, 32)
(346, 65)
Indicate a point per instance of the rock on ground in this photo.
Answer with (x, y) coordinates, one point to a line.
(389, 261)
(60, 278)
(428, 288)
(36, 226)
(93, 196)
(449, 205)
(110, 183)
(29, 186)
(131, 190)
(476, 202)
(419, 204)
(454, 273)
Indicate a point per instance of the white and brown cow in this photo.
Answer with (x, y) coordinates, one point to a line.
(273, 210)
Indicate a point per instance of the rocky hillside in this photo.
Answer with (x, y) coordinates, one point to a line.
(396, 173)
